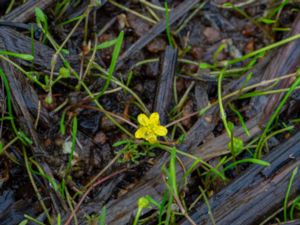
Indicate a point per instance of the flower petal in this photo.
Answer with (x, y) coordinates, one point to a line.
(143, 119)
(154, 118)
(140, 133)
(160, 131)
(151, 138)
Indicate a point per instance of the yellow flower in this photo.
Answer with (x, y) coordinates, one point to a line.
(150, 128)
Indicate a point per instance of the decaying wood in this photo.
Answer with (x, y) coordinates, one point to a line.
(26, 11)
(14, 212)
(83, 7)
(124, 207)
(258, 192)
(152, 184)
(164, 89)
(293, 222)
(201, 95)
(19, 43)
(175, 14)
(24, 97)
(286, 61)
(11, 41)
(165, 84)
(20, 92)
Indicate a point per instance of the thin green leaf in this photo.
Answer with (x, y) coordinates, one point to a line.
(241, 119)
(24, 222)
(152, 201)
(169, 35)
(40, 16)
(266, 21)
(106, 44)
(274, 116)
(285, 204)
(102, 216)
(294, 205)
(205, 66)
(26, 57)
(113, 63)
(250, 160)
(119, 143)
(172, 172)
(20, 134)
(62, 127)
(74, 133)
(263, 50)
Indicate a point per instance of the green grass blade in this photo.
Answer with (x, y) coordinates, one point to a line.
(113, 63)
(102, 216)
(222, 111)
(172, 172)
(264, 49)
(62, 127)
(169, 36)
(26, 57)
(18, 133)
(250, 160)
(106, 44)
(294, 205)
(274, 116)
(74, 133)
(285, 204)
(241, 119)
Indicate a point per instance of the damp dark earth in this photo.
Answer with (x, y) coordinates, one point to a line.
(149, 112)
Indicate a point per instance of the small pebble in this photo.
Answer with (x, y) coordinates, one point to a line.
(100, 138)
(157, 45)
(212, 35)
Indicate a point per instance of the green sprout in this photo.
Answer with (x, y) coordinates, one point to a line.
(143, 202)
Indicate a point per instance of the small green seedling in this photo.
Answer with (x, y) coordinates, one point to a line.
(48, 100)
(131, 151)
(143, 202)
(64, 72)
(235, 145)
